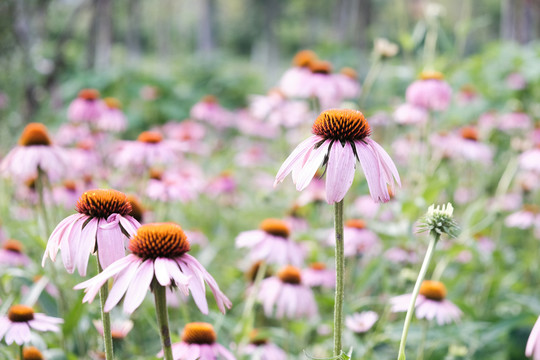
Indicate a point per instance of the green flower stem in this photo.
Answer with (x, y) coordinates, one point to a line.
(419, 280)
(370, 79)
(163, 319)
(340, 286)
(105, 318)
(40, 188)
(21, 352)
(246, 322)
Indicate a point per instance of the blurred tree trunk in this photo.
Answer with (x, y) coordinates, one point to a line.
(23, 35)
(100, 41)
(519, 19)
(133, 34)
(341, 19)
(205, 31)
(364, 11)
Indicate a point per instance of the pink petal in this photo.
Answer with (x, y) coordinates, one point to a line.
(70, 244)
(310, 168)
(129, 224)
(122, 282)
(196, 285)
(533, 338)
(138, 288)
(86, 245)
(110, 244)
(386, 159)
(370, 165)
(160, 269)
(180, 279)
(339, 172)
(56, 237)
(297, 153)
(18, 333)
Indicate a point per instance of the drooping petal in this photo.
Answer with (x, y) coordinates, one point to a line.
(160, 269)
(386, 159)
(533, 338)
(69, 246)
(297, 153)
(110, 243)
(122, 282)
(339, 171)
(196, 285)
(310, 168)
(139, 287)
(86, 245)
(370, 165)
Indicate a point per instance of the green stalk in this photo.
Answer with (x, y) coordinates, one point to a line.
(340, 269)
(21, 352)
(105, 318)
(371, 76)
(163, 319)
(419, 280)
(40, 188)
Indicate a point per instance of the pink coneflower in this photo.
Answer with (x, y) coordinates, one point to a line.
(70, 134)
(341, 138)
(348, 85)
(408, 114)
(67, 193)
(533, 344)
(277, 109)
(86, 108)
(430, 92)
(271, 243)
(468, 146)
(315, 192)
(150, 149)
(158, 251)
(292, 299)
(516, 81)
(112, 119)
(525, 218)
(323, 85)
(249, 125)
(261, 348)
(189, 133)
(318, 275)
(530, 160)
(32, 353)
(119, 329)
(100, 226)
(199, 341)
(175, 185)
(210, 111)
(361, 322)
(16, 326)
(514, 121)
(12, 254)
(400, 255)
(224, 183)
(467, 94)
(358, 239)
(366, 207)
(430, 304)
(293, 81)
(34, 153)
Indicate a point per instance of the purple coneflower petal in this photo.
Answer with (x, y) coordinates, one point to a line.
(122, 282)
(93, 285)
(310, 168)
(137, 290)
(196, 285)
(130, 224)
(531, 342)
(339, 171)
(86, 245)
(54, 240)
(110, 243)
(18, 333)
(386, 160)
(160, 270)
(70, 245)
(297, 153)
(180, 279)
(224, 352)
(370, 165)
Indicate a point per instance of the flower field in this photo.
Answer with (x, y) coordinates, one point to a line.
(387, 209)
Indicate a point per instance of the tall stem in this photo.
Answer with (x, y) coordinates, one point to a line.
(21, 352)
(370, 79)
(105, 318)
(340, 269)
(163, 319)
(419, 280)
